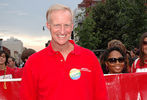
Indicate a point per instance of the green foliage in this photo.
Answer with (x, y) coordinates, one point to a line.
(124, 20)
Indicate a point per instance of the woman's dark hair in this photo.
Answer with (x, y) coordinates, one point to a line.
(141, 53)
(6, 54)
(104, 58)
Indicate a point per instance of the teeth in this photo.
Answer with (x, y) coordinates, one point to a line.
(61, 36)
(117, 67)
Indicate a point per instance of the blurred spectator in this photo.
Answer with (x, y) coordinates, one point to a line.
(114, 60)
(130, 59)
(5, 71)
(140, 64)
(25, 55)
(12, 64)
(134, 54)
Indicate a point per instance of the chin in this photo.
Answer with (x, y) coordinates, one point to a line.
(62, 42)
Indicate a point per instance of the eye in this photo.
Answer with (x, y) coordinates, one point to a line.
(67, 25)
(57, 25)
(3, 56)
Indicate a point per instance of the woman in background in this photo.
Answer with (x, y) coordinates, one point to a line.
(140, 64)
(5, 71)
(113, 61)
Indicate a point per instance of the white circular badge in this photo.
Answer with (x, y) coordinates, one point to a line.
(75, 74)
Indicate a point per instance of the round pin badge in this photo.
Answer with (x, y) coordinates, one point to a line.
(75, 74)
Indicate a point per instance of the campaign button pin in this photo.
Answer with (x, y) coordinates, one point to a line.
(75, 74)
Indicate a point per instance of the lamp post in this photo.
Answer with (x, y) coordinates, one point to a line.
(1, 44)
(43, 28)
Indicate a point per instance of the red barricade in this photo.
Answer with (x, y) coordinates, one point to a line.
(11, 91)
(131, 86)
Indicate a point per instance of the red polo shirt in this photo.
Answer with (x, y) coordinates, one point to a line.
(47, 76)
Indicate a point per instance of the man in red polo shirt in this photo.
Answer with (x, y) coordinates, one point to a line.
(63, 70)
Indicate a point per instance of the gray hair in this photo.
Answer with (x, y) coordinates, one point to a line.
(57, 7)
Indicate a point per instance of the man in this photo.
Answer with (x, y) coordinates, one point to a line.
(12, 65)
(63, 70)
(11, 62)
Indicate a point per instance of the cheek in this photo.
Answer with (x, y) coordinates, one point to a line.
(4, 59)
(53, 30)
(122, 64)
(110, 66)
(68, 31)
(145, 47)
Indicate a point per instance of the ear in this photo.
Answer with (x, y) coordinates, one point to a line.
(106, 63)
(48, 25)
(107, 69)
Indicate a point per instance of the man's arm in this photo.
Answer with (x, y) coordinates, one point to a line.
(28, 88)
(99, 82)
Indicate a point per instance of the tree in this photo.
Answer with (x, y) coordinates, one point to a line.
(124, 20)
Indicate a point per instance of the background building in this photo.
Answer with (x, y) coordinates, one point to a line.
(15, 46)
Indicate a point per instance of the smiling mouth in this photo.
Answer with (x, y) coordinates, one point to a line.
(117, 67)
(61, 36)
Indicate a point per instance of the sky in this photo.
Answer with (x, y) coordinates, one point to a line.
(24, 20)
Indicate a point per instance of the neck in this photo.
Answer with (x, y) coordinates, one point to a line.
(145, 57)
(13, 67)
(145, 60)
(58, 47)
(64, 49)
(2, 67)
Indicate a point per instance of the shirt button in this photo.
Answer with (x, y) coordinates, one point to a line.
(61, 60)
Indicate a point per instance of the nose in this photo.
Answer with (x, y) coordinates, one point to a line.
(62, 29)
(117, 62)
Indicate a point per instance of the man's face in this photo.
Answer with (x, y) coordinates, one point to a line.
(11, 63)
(60, 26)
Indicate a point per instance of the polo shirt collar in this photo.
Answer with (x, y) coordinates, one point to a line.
(76, 50)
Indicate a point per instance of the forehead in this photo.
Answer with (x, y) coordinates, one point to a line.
(9, 59)
(60, 15)
(114, 54)
(145, 39)
(2, 54)
(55, 12)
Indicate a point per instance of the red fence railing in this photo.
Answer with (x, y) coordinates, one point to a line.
(131, 86)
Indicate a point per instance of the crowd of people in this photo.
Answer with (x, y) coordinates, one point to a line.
(9, 68)
(66, 71)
